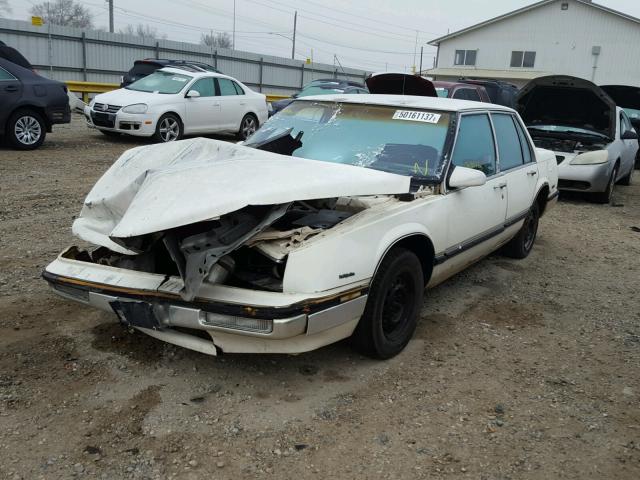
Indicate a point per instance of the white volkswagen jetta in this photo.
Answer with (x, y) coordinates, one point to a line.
(173, 102)
(327, 223)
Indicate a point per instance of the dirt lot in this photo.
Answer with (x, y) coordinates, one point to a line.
(519, 369)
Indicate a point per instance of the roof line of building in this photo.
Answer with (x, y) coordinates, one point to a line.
(435, 42)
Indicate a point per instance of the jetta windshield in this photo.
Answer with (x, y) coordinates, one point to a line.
(402, 140)
(161, 82)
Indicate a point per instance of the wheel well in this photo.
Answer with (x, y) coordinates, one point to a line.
(38, 110)
(542, 198)
(173, 113)
(422, 247)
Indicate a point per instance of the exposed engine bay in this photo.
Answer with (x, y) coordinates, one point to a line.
(565, 143)
(247, 248)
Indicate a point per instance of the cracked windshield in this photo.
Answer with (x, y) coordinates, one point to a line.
(405, 140)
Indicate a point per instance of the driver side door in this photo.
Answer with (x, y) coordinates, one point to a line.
(475, 215)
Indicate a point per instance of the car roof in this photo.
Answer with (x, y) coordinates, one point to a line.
(442, 84)
(408, 101)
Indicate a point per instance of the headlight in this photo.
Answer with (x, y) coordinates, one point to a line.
(135, 108)
(591, 158)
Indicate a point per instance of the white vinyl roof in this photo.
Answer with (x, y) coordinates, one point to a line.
(407, 101)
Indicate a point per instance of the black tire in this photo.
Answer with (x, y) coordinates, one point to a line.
(109, 133)
(627, 179)
(248, 126)
(26, 129)
(607, 195)
(394, 302)
(168, 129)
(521, 245)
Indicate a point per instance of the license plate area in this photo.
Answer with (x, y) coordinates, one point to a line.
(136, 314)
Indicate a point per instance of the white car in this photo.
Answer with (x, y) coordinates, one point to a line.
(173, 102)
(593, 139)
(328, 223)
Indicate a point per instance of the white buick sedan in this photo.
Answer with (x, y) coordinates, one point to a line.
(173, 102)
(326, 224)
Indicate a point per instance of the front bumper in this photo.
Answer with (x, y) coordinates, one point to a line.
(132, 124)
(583, 178)
(304, 325)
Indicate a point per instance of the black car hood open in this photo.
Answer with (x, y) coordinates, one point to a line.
(624, 95)
(400, 84)
(568, 101)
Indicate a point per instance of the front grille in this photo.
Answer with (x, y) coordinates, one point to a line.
(99, 107)
(573, 185)
(103, 119)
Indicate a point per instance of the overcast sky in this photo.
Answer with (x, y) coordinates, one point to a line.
(369, 34)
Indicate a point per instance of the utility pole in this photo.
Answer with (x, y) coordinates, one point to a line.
(421, 49)
(110, 15)
(234, 25)
(293, 47)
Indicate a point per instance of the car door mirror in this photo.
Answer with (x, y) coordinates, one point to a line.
(193, 94)
(463, 177)
(629, 135)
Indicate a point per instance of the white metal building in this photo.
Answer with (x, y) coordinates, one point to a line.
(570, 37)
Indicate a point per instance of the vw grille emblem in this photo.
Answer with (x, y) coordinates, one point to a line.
(105, 107)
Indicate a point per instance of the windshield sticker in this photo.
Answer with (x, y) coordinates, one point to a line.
(416, 116)
(178, 79)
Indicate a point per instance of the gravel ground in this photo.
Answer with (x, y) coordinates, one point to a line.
(519, 369)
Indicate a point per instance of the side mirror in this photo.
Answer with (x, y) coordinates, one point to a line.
(629, 135)
(463, 177)
(193, 94)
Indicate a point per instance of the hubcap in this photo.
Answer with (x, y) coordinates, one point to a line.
(28, 130)
(169, 129)
(397, 305)
(248, 127)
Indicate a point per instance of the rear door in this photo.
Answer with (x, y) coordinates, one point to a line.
(233, 103)
(10, 93)
(516, 163)
(203, 112)
(630, 146)
(477, 213)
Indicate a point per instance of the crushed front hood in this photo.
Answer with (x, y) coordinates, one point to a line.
(567, 101)
(160, 187)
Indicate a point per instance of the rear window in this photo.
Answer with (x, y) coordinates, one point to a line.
(143, 69)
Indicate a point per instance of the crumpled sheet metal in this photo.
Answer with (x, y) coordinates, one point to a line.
(159, 187)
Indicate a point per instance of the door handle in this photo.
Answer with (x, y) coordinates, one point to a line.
(216, 104)
(500, 186)
(11, 88)
(532, 173)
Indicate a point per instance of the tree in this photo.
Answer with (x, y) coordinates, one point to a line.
(142, 31)
(67, 13)
(4, 7)
(219, 40)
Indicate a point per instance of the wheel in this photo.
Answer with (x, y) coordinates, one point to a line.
(26, 130)
(605, 197)
(521, 245)
(391, 314)
(248, 126)
(109, 133)
(627, 179)
(169, 128)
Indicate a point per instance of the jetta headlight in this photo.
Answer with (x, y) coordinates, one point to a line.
(135, 108)
(591, 158)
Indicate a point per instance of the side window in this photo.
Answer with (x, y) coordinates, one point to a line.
(467, 94)
(204, 86)
(524, 143)
(226, 87)
(508, 141)
(474, 145)
(4, 75)
(238, 88)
